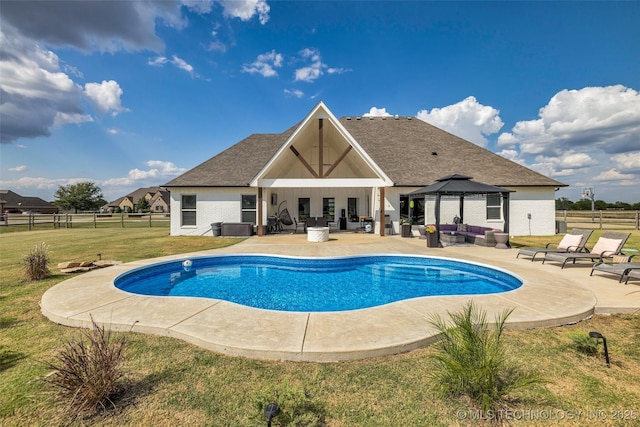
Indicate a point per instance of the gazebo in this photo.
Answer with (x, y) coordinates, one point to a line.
(462, 185)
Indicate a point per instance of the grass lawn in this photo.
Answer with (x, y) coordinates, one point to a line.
(173, 383)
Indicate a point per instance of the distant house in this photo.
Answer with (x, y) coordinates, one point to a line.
(11, 202)
(353, 167)
(158, 199)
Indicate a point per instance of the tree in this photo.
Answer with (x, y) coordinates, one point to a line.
(142, 205)
(84, 196)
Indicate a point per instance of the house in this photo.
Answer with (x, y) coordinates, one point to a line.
(157, 198)
(11, 202)
(355, 168)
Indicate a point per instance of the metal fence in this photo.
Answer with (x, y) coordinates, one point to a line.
(91, 220)
(602, 219)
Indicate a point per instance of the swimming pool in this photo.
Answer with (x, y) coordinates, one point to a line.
(315, 284)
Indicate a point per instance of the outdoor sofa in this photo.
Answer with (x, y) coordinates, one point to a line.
(482, 236)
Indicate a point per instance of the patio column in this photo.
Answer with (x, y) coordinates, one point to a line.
(382, 219)
(259, 219)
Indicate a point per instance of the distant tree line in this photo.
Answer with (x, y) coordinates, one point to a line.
(600, 205)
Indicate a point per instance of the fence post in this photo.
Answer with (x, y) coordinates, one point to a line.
(121, 219)
(29, 220)
(637, 220)
(150, 215)
(565, 215)
(94, 220)
(601, 219)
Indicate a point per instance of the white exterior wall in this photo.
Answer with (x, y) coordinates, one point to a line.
(224, 205)
(537, 201)
(212, 205)
(541, 204)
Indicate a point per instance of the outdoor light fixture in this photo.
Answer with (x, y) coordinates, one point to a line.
(272, 410)
(598, 335)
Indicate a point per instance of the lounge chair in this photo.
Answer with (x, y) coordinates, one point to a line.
(574, 241)
(608, 245)
(635, 273)
(621, 269)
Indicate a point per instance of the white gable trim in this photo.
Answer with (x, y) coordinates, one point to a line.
(321, 111)
(322, 183)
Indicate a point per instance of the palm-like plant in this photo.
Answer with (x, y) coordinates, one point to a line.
(472, 360)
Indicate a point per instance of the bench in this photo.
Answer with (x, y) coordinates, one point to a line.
(237, 229)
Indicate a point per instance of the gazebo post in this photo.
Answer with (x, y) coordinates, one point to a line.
(505, 211)
(437, 214)
(461, 208)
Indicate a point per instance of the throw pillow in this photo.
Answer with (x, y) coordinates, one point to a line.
(570, 242)
(610, 246)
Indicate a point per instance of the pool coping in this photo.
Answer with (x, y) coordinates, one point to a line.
(543, 300)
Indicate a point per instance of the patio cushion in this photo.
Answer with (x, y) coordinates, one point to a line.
(570, 241)
(606, 245)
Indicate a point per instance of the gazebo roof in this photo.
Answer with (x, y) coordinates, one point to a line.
(459, 185)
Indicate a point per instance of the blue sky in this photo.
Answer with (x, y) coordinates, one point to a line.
(131, 94)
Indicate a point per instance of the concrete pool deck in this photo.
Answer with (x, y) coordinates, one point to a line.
(550, 296)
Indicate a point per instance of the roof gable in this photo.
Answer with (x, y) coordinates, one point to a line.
(318, 148)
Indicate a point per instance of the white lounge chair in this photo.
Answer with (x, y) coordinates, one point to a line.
(574, 241)
(608, 245)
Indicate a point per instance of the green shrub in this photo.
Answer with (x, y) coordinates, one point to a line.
(471, 360)
(296, 406)
(36, 263)
(86, 372)
(584, 343)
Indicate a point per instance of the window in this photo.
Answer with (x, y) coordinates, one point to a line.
(249, 204)
(494, 206)
(329, 208)
(352, 209)
(188, 207)
(304, 208)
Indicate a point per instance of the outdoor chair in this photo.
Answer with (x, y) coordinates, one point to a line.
(574, 241)
(621, 268)
(298, 225)
(321, 222)
(608, 245)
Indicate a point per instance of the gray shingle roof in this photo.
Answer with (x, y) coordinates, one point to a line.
(403, 147)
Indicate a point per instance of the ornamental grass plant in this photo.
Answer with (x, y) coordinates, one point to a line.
(86, 372)
(471, 360)
(36, 262)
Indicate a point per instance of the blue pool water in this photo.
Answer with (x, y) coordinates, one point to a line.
(315, 284)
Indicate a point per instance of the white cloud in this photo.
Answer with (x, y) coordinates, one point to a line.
(265, 64)
(105, 96)
(246, 9)
(158, 170)
(628, 161)
(314, 70)
(467, 119)
(294, 92)
(377, 112)
(21, 168)
(612, 175)
(605, 117)
(158, 61)
(182, 64)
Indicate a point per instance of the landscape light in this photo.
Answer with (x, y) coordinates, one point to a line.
(598, 335)
(272, 410)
